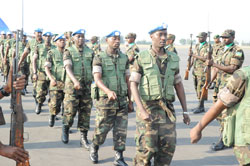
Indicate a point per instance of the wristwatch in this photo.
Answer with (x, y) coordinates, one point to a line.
(3, 92)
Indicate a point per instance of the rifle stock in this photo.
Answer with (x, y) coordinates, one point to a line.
(17, 115)
(189, 60)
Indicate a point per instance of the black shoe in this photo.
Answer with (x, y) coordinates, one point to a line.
(93, 153)
(119, 160)
(84, 141)
(218, 146)
(38, 108)
(199, 110)
(65, 134)
(52, 120)
(212, 86)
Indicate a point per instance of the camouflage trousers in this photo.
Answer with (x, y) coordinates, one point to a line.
(41, 90)
(34, 88)
(56, 100)
(106, 119)
(74, 103)
(242, 154)
(199, 82)
(156, 140)
(6, 68)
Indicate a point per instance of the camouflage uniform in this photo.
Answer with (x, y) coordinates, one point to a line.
(171, 47)
(55, 62)
(2, 41)
(8, 44)
(78, 100)
(132, 50)
(235, 95)
(111, 114)
(41, 50)
(199, 75)
(156, 138)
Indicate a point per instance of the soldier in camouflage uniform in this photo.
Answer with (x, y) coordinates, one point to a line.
(28, 56)
(77, 61)
(198, 61)
(231, 58)
(132, 49)
(39, 75)
(55, 72)
(111, 73)
(154, 76)
(96, 47)
(170, 43)
(234, 99)
(2, 40)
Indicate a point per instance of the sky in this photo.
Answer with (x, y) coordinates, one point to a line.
(100, 17)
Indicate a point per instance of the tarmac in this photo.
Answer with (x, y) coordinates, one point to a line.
(46, 149)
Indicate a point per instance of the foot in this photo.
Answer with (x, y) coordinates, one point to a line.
(218, 146)
(199, 110)
(119, 160)
(38, 108)
(93, 153)
(65, 134)
(52, 120)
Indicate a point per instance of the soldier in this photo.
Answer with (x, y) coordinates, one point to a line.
(155, 114)
(28, 56)
(39, 75)
(132, 49)
(111, 73)
(96, 47)
(77, 62)
(234, 98)
(2, 40)
(231, 58)
(198, 61)
(15, 153)
(55, 72)
(170, 43)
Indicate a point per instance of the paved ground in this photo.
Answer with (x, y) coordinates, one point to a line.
(46, 149)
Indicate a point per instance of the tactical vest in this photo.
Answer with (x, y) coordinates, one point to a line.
(150, 86)
(81, 64)
(240, 126)
(42, 51)
(113, 74)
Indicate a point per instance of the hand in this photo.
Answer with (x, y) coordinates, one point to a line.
(34, 77)
(130, 107)
(20, 83)
(186, 119)
(112, 95)
(53, 82)
(77, 85)
(190, 52)
(15, 153)
(209, 62)
(145, 116)
(195, 134)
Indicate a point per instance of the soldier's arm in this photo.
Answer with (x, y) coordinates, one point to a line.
(25, 54)
(7, 52)
(35, 57)
(47, 66)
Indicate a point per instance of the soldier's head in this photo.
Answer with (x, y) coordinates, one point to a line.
(79, 37)
(14, 34)
(47, 37)
(9, 35)
(38, 34)
(24, 37)
(216, 39)
(159, 36)
(170, 39)
(94, 39)
(228, 36)
(60, 41)
(113, 39)
(3, 35)
(130, 38)
(202, 37)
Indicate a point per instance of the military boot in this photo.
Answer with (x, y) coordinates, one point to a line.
(65, 134)
(119, 160)
(84, 141)
(52, 120)
(93, 153)
(218, 146)
(200, 108)
(38, 108)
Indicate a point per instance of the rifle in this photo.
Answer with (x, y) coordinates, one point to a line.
(204, 92)
(189, 60)
(17, 115)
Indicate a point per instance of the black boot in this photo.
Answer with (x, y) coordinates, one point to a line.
(52, 120)
(93, 153)
(38, 108)
(218, 146)
(200, 108)
(84, 141)
(212, 85)
(119, 160)
(65, 134)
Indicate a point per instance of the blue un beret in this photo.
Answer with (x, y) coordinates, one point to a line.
(59, 37)
(114, 33)
(80, 31)
(48, 34)
(9, 33)
(39, 30)
(159, 28)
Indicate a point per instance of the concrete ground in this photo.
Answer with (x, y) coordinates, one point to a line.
(46, 149)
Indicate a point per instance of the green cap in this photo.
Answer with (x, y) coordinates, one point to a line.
(130, 35)
(228, 33)
(202, 34)
(171, 37)
(216, 36)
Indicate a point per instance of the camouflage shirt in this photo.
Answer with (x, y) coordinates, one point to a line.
(171, 48)
(131, 51)
(96, 48)
(216, 48)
